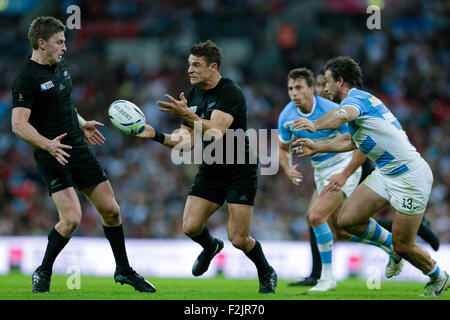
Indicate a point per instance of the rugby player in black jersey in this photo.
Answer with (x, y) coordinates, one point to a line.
(216, 107)
(44, 115)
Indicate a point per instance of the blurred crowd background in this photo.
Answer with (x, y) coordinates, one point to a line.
(137, 50)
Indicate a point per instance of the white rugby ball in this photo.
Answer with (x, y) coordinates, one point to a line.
(127, 117)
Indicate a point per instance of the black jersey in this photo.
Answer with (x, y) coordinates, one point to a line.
(47, 91)
(226, 97)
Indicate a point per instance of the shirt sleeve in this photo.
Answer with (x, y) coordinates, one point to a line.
(284, 135)
(231, 101)
(23, 92)
(350, 101)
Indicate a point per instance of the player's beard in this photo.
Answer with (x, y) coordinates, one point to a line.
(52, 60)
(337, 97)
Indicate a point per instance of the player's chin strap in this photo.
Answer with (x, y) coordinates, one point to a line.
(159, 137)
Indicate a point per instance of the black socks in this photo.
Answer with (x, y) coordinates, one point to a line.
(205, 240)
(116, 239)
(316, 260)
(56, 243)
(256, 254)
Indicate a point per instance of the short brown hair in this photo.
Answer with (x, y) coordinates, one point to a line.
(347, 68)
(304, 73)
(44, 28)
(210, 51)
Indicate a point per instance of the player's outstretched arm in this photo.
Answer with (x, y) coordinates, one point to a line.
(338, 180)
(331, 120)
(306, 147)
(22, 128)
(180, 139)
(92, 135)
(213, 129)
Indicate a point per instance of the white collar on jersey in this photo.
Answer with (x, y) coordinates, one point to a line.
(312, 109)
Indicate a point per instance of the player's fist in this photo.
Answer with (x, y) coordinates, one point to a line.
(304, 147)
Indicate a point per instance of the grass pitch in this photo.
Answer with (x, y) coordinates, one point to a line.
(16, 286)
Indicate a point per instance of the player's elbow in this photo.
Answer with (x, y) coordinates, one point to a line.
(16, 125)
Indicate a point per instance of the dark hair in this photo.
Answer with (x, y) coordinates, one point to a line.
(304, 73)
(210, 51)
(44, 28)
(347, 68)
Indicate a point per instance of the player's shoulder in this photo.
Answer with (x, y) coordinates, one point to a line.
(288, 110)
(326, 103)
(356, 95)
(26, 75)
(27, 69)
(229, 86)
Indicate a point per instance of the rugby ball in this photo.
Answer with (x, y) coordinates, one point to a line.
(127, 117)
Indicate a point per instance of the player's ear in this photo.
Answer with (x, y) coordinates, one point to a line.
(41, 43)
(215, 66)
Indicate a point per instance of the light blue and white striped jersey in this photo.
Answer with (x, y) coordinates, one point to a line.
(288, 134)
(379, 135)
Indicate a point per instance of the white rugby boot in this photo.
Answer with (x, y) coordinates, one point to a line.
(324, 284)
(435, 287)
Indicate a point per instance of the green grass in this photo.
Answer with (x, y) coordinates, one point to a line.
(16, 286)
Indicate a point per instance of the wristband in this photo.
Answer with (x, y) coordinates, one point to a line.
(159, 137)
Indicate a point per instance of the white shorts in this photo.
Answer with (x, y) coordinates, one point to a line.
(321, 177)
(408, 192)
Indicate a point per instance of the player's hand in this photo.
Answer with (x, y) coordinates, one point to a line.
(304, 124)
(304, 147)
(56, 149)
(148, 133)
(92, 135)
(336, 182)
(294, 175)
(174, 106)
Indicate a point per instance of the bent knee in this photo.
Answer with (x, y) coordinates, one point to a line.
(316, 218)
(402, 248)
(111, 213)
(70, 223)
(239, 242)
(191, 230)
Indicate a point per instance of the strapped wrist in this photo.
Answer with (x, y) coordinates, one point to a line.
(159, 137)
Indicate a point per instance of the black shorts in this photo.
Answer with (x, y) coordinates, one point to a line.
(82, 171)
(235, 185)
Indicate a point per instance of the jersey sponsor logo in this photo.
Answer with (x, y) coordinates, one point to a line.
(20, 98)
(47, 85)
(210, 105)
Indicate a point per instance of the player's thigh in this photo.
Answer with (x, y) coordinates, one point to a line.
(56, 176)
(86, 170)
(360, 206)
(102, 198)
(196, 212)
(239, 220)
(68, 205)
